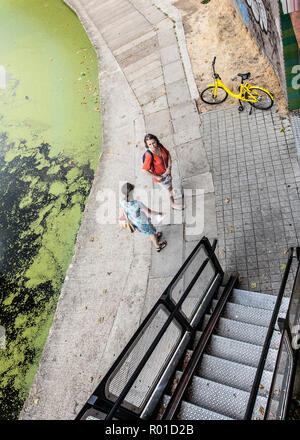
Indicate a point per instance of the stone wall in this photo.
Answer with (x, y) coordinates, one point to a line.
(262, 18)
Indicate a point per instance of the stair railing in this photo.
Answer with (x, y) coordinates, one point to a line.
(285, 341)
(281, 386)
(107, 403)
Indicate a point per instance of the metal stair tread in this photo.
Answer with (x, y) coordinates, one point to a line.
(240, 331)
(223, 399)
(255, 299)
(237, 351)
(188, 411)
(248, 314)
(232, 374)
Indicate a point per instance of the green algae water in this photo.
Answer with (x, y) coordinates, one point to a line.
(50, 142)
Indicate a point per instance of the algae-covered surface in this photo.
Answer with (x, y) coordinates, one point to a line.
(50, 142)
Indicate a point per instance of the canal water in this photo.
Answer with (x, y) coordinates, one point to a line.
(50, 144)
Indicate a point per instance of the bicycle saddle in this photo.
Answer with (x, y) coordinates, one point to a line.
(244, 76)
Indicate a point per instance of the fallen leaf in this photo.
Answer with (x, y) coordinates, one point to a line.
(282, 267)
(36, 401)
(261, 386)
(240, 279)
(175, 382)
(104, 291)
(230, 229)
(253, 285)
(85, 307)
(282, 129)
(94, 239)
(285, 251)
(100, 320)
(227, 200)
(91, 379)
(261, 410)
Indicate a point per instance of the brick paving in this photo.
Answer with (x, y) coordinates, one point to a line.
(257, 182)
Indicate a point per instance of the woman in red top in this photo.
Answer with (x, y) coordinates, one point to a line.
(159, 166)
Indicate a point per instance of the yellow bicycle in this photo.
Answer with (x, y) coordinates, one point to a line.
(256, 96)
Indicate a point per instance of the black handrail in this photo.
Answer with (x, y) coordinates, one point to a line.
(99, 400)
(275, 375)
(295, 287)
(266, 346)
(149, 352)
(284, 326)
(188, 372)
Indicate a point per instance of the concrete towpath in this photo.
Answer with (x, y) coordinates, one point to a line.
(146, 85)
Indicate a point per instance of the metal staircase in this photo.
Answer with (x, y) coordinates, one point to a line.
(221, 386)
(206, 351)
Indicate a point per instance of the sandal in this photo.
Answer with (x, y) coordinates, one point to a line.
(159, 235)
(161, 246)
(177, 207)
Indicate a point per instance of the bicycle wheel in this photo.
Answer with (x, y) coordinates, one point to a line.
(208, 95)
(264, 97)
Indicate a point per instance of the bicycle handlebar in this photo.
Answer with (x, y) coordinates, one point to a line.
(213, 66)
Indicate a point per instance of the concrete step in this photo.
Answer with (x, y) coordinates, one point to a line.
(188, 411)
(238, 351)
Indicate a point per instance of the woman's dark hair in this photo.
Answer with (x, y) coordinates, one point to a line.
(126, 189)
(149, 137)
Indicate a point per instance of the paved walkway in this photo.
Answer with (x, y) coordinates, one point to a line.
(146, 86)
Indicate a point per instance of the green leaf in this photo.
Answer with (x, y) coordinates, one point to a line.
(282, 267)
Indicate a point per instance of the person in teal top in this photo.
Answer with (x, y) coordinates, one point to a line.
(138, 213)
